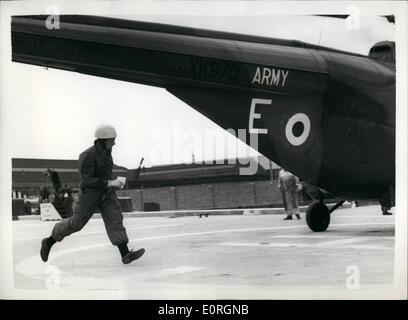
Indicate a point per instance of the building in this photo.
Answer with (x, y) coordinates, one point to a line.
(205, 186)
(28, 175)
(170, 187)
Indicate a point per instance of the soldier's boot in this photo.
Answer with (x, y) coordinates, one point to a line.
(132, 255)
(46, 245)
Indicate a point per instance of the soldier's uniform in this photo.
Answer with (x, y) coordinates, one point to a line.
(96, 191)
(95, 168)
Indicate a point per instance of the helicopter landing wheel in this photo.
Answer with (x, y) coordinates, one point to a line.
(318, 217)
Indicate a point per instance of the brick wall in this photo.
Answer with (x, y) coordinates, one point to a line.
(207, 196)
(233, 194)
(164, 196)
(267, 192)
(194, 197)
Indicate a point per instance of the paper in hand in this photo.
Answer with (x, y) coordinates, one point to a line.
(122, 180)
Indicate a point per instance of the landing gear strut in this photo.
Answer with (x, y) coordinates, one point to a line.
(318, 214)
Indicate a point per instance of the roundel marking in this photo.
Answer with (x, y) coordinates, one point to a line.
(298, 129)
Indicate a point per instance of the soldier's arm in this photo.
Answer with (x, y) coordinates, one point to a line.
(87, 171)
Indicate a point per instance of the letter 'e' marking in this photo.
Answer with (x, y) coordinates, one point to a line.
(253, 115)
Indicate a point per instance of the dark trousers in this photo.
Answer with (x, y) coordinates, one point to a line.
(89, 201)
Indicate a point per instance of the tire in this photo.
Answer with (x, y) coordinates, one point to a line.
(318, 217)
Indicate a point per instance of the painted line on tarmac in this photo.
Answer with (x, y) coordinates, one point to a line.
(164, 273)
(34, 267)
(361, 224)
(84, 233)
(122, 282)
(339, 243)
(303, 245)
(328, 236)
(362, 216)
(63, 280)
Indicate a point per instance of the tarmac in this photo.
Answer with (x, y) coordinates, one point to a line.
(245, 256)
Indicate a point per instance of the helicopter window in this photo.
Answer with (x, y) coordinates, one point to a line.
(382, 53)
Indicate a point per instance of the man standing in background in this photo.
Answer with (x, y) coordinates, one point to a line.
(289, 185)
(44, 194)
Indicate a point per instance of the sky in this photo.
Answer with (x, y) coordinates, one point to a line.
(48, 113)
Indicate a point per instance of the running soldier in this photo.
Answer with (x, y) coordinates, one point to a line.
(96, 191)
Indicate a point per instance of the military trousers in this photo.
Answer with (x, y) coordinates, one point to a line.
(89, 201)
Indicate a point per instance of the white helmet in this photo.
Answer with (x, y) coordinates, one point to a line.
(105, 131)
